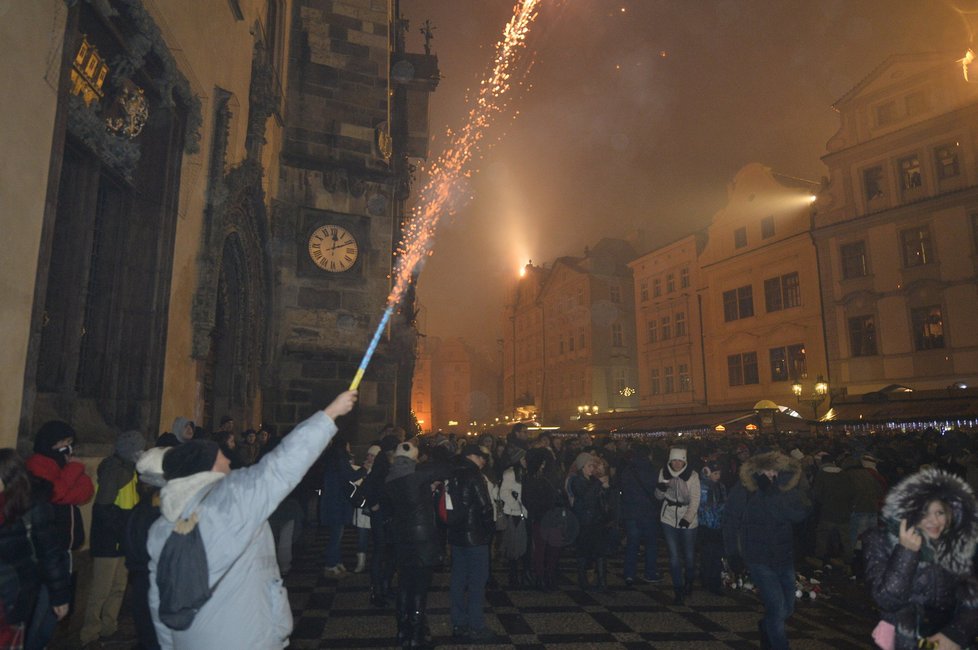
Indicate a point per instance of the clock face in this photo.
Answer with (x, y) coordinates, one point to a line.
(333, 248)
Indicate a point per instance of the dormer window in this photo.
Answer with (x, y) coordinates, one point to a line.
(886, 113)
(873, 182)
(910, 178)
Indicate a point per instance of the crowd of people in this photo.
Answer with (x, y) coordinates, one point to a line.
(197, 543)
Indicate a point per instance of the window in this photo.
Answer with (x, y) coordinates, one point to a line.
(788, 363)
(873, 182)
(570, 342)
(656, 288)
(617, 339)
(740, 237)
(654, 381)
(615, 293)
(666, 334)
(670, 385)
(885, 113)
(862, 336)
(580, 338)
(738, 303)
(916, 103)
(916, 246)
(910, 178)
(684, 277)
(946, 158)
(782, 292)
(670, 282)
(681, 324)
(644, 291)
(742, 369)
(767, 227)
(621, 380)
(928, 327)
(653, 330)
(561, 345)
(853, 260)
(684, 383)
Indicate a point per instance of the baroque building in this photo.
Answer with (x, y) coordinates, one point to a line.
(162, 195)
(759, 292)
(897, 228)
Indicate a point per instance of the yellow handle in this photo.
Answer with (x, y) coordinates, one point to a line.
(356, 379)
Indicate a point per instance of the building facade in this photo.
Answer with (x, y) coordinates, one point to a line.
(668, 328)
(165, 188)
(897, 228)
(759, 292)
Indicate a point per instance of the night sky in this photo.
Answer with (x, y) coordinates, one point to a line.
(638, 119)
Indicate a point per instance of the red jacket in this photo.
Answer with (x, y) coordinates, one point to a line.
(71, 486)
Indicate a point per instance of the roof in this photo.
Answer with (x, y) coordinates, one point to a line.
(891, 60)
(938, 406)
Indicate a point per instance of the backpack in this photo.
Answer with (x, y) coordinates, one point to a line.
(182, 574)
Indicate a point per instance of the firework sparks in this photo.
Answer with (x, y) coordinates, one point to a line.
(451, 168)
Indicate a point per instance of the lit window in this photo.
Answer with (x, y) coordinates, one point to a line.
(928, 327)
(946, 158)
(853, 260)
(916, 244)
(685, 384)
(862, 336)
(788, 363)
(910, 178)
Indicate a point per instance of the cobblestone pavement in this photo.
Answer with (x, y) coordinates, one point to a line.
(336, 613)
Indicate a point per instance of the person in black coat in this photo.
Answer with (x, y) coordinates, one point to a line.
(408, 497)
(757, 530)
(335, 509)
(640, 513)
(920, 566)
(30, 555)
(471, 525)
(381, 543)
(539, 496)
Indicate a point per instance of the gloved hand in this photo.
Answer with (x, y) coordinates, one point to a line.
(683, 523)
(736, 563)
(663, 486)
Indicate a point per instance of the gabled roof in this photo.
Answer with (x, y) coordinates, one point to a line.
(923, 59)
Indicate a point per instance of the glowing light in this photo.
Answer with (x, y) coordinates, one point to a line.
(663, 53)
(522, 271)
(969, 73)
(812, 198)
(448, 175)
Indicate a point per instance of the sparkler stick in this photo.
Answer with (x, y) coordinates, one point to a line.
(451, 166)
(370, 349)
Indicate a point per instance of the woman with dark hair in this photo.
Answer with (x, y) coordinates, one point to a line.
(29, 554)
(919, 568)
(62, 482)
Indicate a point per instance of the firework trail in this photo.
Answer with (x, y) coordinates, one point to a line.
(451, 167)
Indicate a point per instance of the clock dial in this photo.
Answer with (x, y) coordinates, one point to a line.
(333, 248)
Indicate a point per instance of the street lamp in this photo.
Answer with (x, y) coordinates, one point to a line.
(819, 392)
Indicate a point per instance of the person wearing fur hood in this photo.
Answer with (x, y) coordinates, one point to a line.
(919, 565)
(679, 489)
(757, 531)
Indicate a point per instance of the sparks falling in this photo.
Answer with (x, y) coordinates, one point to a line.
(439, 195)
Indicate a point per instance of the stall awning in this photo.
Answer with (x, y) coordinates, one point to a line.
(953, 407)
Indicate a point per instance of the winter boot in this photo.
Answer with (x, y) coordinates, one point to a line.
(602, 574)
(404, 629)
(361, 563)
